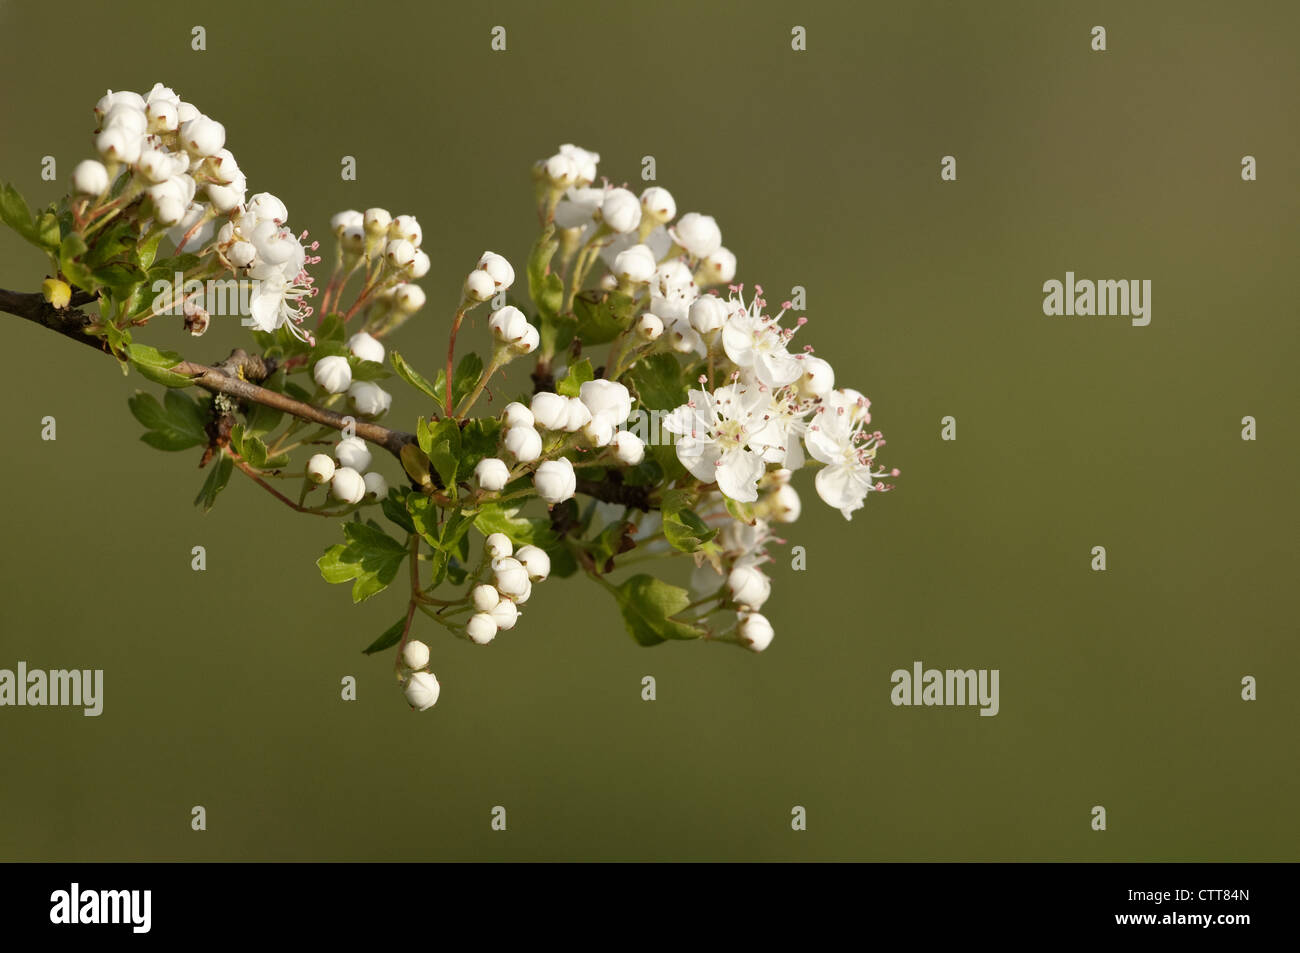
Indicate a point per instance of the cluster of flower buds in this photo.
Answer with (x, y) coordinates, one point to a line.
(419, 685)
(348, 473)
(496, 604)
(386, 249)
(333, 374)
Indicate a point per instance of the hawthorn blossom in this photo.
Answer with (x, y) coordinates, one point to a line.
(837, 436)
(716, 431)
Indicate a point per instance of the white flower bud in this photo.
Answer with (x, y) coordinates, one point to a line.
(508, 324)
(422, 691)
(818, 377)
(90, 177)
(658, 205)
(350, 218)
(497, 546)
(154, 165)
(369, 398)
(353, 239)
(510, 575)
(202, 136)
(560, 171)
(620, 211)
(528, 343)
(186, 111)
(608, 283)
(536, 561)
(649, 327)
(708, 313)
(584, 163)
(123, 97)
(320, 468)
(333, 373)
(408, 298)
(127, 119)
(266, 207)
(168, 210)
(353, 452)
(366, 347)
(785, 504)
(607, 399)
(348, 485)
(376, 485)
(720, 267)
(162, 116)
(503, 275)
(555, 481)
(492, 474)
(505, 614)
(749, 587)
(241, 254)
(116, 145)
(576, 416)
(523, 443)
(578, 207)
(399, 252)
(481, 628)
(375, 221)
(550, 410)
(636, 264)
(419, 265)
(698, 234)
(415, 654)
(227, 198)
(754, 631)
(516, 414)
(479, 286)
(599, 431)
(485, 597)
(405, 226)
(523, 596)
(628, 448)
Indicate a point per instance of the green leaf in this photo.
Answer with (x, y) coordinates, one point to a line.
(686, 531)
(177, 426)
(579, 373)
(48, 234)
(468, 372)
(15, 213)
(394, 507)
(614, 539)
(370, 557)
(217, 479)
(166, 269)
(413, 377)
(71, 251)
(478, 440)
(392, 635)
(122, 278)
(444, 451)
(332, 329)
(155, 365)
(602, 316)
(147, 251)
(658, 383)
(117, 240)
(505, 518)
(648, 605)
(544, 286)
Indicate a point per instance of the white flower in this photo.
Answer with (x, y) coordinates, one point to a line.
(549, 410)
(376, 485)
(578, 207)
(510, 575)
(628, 448)
(635, 264)
(500, 270)
(422, 691)
(818, 378)
(757, 343)
(720, 267)
(353, 452)
(515, 414)
(415, 654)
(708, 313)
(399, 252)
(333, 373)
(837, 436)
(485, 597)
(599, 431)
(365, 347)
(620, 211)
(163, 116)
(268, 208)
(715, 434)
(405, 226)
(481, 628)
(607, 400)
(202, 136)
(560, 171)
(369, 398)
(584, 163)
(784, 504)
(375, 221)
(749, 587)
(658, 205)
(497, 546)
(536, 561)
(492, 474)
(505, 614)
(408, 298)
(118, 145)
(479, 286)
(754, 631)
(320, 468)
(511, 328)
(419, 265)
(523, 443)
(168, 210)
(347, 219)
(576, 416)
(154, 165)
(698, 234)
(649, 327)
(348, 485)
(90, 177)
(555, 481)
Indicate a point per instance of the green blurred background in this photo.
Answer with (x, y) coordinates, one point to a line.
(1119, 688)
